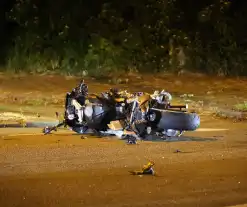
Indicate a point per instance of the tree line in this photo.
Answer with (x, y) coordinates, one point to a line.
(102, 36)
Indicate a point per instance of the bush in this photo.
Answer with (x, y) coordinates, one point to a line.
(144, 35)
(103, 57)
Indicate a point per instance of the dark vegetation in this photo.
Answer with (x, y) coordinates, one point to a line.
(101, 36)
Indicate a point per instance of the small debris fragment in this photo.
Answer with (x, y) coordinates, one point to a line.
(186, 95)
(177, 151)
(131, 139)
(146, 170)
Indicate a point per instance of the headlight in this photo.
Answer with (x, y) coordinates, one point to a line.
(168, 96)
(71, 116)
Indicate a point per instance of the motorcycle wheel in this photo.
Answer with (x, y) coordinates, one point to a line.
(176, 120)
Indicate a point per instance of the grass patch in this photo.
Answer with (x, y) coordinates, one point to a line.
(10, 117)
(230, 114)
(33, 101)
(242, 107)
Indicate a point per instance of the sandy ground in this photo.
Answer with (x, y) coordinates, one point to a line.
(64, 170)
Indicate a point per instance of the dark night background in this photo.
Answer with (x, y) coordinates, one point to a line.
(103, 36)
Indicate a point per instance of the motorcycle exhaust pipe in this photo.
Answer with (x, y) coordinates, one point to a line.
(179, 106)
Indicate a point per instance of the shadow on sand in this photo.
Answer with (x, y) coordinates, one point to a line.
(179, 139)
(154, 138)
(91, 135)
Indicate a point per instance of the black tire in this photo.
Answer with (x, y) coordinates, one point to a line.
(177, 120)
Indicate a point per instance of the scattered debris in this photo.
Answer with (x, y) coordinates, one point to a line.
(47, 130)
(187, 95)
(131, 139)
(146, 170)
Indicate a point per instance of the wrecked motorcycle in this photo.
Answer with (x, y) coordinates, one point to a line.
(92, 112)
(119, 114)
(162, 119)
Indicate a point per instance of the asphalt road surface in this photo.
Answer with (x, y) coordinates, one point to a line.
(206, 168)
